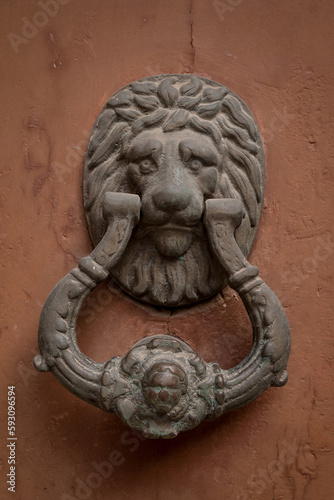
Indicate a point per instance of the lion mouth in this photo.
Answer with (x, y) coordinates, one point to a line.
(170, 240)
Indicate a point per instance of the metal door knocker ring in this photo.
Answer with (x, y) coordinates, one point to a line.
(173, 192)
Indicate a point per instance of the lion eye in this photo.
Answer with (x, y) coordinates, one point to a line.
(147, 166)
(195, 164)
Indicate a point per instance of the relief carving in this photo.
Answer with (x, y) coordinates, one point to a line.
(173, 192)
(176, 141)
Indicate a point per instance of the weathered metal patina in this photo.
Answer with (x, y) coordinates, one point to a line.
(173, 192)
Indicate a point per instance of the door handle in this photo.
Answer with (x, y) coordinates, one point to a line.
(161, 386)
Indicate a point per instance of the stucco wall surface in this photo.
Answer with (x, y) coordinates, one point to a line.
(57, 70)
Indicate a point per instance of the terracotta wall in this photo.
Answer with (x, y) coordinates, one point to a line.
(277, 55)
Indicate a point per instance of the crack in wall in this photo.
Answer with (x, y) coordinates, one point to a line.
(192, 62)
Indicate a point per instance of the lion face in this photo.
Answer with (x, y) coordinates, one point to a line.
(173, 173)
(175, 140)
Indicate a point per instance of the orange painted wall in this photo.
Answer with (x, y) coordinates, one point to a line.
(278, 57)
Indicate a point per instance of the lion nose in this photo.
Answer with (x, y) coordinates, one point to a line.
(172, 198)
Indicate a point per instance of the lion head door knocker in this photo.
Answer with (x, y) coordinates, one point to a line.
(173, 191)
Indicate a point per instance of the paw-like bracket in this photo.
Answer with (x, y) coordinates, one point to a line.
(161, 386)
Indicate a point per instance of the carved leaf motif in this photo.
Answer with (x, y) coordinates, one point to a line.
(72, 289)
(191, 88)
(146, 88)
(104, 123)
(97, 179)
(61, 341)
(277, 346)
(251, 167)
(128, 114)
(206, 128)
(148, 120)
(107, 144)
(176, 120)
(107, 118)
(240, 115)
(189, 102)
(147, 102)
(209, 110)
(123, 98)
(167, 92)
(60, 325)
(214, 94)
(238, 134)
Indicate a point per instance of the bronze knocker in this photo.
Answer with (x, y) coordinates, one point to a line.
(173, 192)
